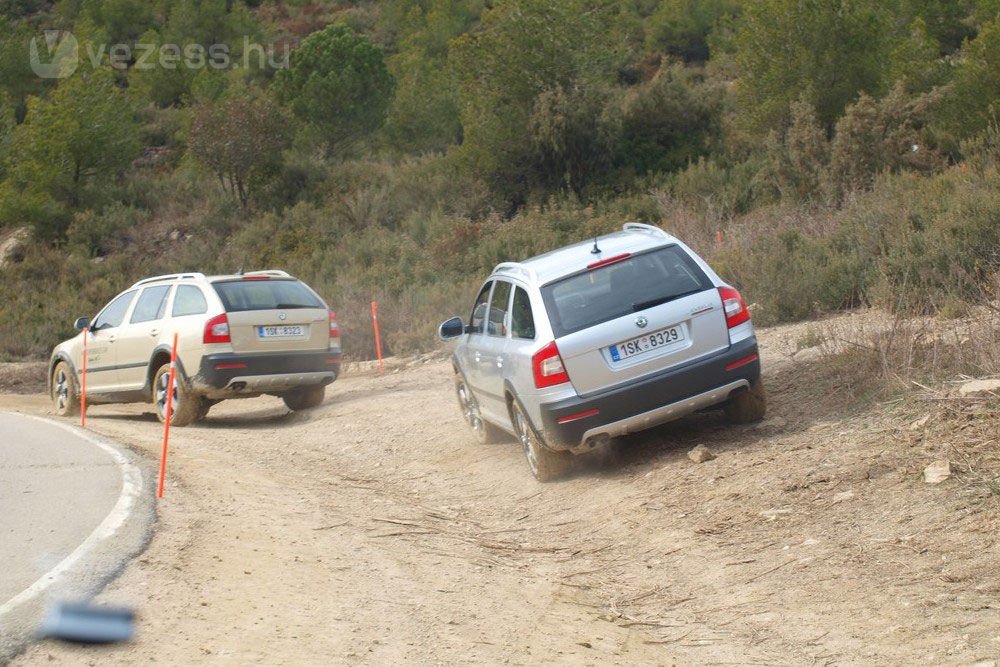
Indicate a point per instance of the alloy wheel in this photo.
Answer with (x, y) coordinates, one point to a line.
(524, 436)
(469, 410)
(161, 395)
(62, 390)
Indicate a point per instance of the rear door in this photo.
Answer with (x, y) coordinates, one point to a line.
(521, 342)
(633, 317)
(273, 315)
(139, 336)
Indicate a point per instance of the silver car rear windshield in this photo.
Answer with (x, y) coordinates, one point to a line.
(241, 295)
(607, 292)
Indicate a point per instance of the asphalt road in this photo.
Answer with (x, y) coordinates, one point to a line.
(67, 504)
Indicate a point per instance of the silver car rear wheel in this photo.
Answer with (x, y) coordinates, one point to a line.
(545, 464)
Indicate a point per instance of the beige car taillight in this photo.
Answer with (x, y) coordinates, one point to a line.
(334, 331)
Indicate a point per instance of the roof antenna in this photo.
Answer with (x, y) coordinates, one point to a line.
(239, 272)
(595, 250)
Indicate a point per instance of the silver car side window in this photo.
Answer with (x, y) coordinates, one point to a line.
(499, 304)
(479, 310)
(522, 321)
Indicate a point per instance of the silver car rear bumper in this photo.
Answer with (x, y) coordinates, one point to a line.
(658, 416)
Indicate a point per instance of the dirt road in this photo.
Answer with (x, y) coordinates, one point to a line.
(374, 530)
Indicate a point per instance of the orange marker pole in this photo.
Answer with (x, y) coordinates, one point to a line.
(83, 381)
(378, 340)
(167, 415)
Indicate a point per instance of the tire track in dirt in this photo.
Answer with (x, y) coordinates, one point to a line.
(374, 529)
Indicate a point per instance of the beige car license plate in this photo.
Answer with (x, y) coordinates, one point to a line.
(282, 331)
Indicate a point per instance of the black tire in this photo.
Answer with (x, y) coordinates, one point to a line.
(545, 464)
(304, 398)
(484, 432)
(748, 406)
(64, 391)
(206, 405)
(186, 406)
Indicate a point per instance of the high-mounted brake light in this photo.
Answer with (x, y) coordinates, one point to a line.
(256, 277)
(334, 330)
(609, 260)
(732, 304)
(548, 367)
(217, 330)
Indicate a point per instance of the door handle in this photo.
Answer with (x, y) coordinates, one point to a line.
(112, 339)
(499, 362)
(477, 357)
(154, 332)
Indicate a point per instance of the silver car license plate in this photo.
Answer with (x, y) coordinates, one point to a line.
(647, 342)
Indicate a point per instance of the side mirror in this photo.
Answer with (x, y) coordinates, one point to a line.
(81, 323)
(453, 328)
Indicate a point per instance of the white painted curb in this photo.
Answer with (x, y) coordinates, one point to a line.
(132, 486)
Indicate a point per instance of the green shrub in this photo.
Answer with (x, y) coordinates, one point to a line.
(874, 136)
(670, 122)
(681, 27)
(942, 243)
(97, 234)
(337, 81)
(791, 275)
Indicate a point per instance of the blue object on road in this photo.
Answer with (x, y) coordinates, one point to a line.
(88, 624)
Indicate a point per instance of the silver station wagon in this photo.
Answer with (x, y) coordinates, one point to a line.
(610, 336)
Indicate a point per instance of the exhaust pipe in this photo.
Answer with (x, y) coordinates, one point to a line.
(591, 443)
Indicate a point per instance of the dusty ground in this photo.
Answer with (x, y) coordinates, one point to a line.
(374, 530)
(22, 377)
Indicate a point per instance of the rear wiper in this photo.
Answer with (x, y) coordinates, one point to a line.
(643, 305)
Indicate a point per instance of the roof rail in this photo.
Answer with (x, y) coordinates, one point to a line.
(645, 229)
(516, 267)
(170, 276)
(275, 273)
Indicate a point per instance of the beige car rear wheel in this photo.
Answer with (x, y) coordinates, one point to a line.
(186, 406)
(305, 398)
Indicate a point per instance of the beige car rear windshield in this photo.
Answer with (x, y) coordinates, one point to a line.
(241, 295)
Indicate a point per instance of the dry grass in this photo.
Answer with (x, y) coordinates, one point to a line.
(897, 353)
(919, 364)
(963, 430)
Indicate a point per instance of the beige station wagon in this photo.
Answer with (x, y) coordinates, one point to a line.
(239, 336)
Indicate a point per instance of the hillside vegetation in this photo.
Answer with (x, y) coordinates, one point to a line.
(822, 154)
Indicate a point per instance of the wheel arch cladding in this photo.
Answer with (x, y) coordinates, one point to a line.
(160, 356)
